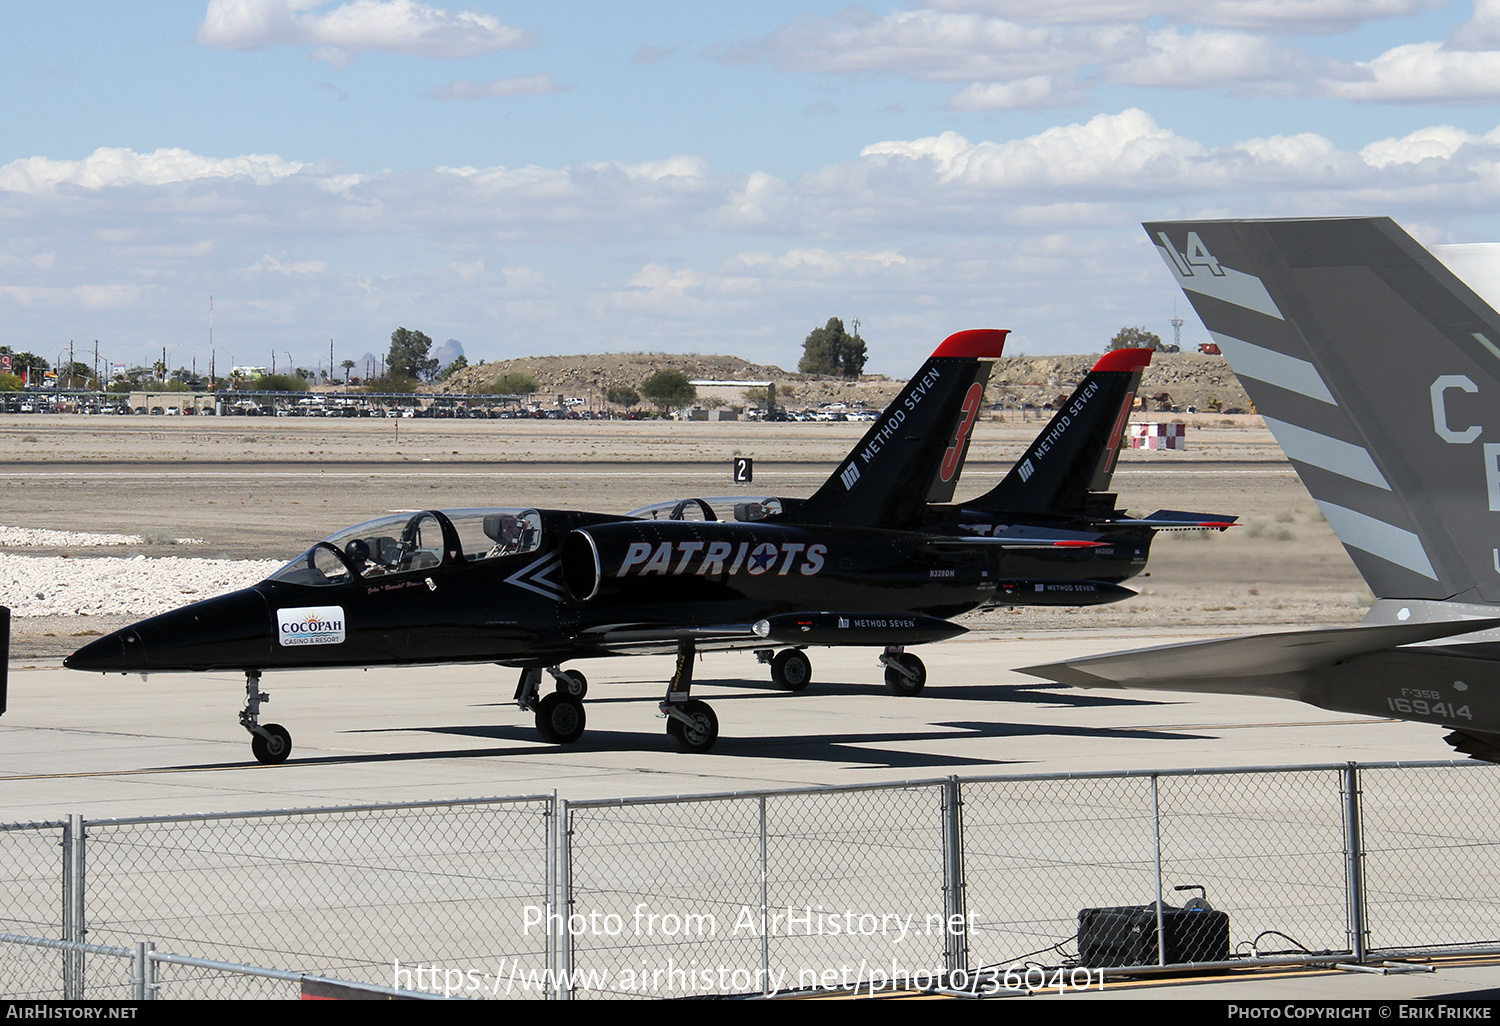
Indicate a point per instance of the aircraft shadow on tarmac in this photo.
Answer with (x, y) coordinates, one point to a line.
(1046, 695)
(851, 747)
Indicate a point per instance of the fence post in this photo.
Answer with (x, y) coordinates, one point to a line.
(1354, 860)
(562, 979)
(765, 912)
(74, 928)
(143, 971)
(955, 905)
(1161, 917)
(550, 899)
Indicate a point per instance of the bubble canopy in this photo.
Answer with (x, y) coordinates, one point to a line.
(413, 542)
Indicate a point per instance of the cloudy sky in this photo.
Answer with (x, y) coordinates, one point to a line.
(554, 176)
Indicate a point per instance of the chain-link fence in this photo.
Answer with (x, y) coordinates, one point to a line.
(350, 893)
(916, 883)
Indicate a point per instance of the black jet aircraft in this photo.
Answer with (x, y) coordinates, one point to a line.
(878, 556)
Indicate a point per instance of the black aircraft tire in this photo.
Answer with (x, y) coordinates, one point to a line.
(897, 683)
(791, 670)
(573, 684)
(276, 749)
(698, 738)
(560, 719)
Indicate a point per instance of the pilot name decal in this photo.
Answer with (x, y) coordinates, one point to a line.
(887, 430)
(711, 559)
(310, 625)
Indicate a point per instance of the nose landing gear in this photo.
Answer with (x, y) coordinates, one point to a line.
(271, 743)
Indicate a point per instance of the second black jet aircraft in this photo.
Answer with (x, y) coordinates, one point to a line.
(878, 556)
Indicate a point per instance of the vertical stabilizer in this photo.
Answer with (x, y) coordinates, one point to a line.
(915, 451)
(1076, 453)
(1378, 371)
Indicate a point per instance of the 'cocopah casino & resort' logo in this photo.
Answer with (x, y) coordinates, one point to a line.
(310, 625)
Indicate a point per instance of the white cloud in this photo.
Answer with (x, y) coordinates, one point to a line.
(1126, 148)
(763, 202)
(529, 85)
(1421, 73)
(394, 26)
(1205, 59)
(109, 166)
(275, 266)
(819, 263)
(1438, 142)
(1481, 31)
(1262, 15)
(936, 46)
(1032, 93)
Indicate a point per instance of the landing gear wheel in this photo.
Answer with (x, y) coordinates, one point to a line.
(701, 736)
(559, 719)
(791, 669)
(573, 684)
(898, 683)
(274, 749)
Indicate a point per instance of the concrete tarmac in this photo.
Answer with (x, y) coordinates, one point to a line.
(119, 746)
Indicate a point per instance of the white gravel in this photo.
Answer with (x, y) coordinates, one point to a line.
(27, 537)
(119, 586)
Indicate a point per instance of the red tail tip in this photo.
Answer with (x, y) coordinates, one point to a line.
(1123, 360)
(980, 343)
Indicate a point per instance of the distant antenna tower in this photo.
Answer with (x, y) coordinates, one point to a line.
(1177, 332)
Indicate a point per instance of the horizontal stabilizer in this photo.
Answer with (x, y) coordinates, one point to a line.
(1244, 665)
(1019, 536)
(1177, 520)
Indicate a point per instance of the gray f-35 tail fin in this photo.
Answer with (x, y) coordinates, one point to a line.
(1378, 371)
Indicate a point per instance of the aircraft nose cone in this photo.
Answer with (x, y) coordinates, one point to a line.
(107, 653)
(231, 631)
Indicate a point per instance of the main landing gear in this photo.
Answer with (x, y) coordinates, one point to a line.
(904, 673)
(271, 743)
(691, 724)
(560, 718)
(791, 670)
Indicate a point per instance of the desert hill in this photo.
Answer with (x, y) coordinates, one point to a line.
(1189, 378)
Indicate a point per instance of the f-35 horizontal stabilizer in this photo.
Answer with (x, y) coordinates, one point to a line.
(890, 474)
(1210, 665)
(1374, 671)
(1076, 453)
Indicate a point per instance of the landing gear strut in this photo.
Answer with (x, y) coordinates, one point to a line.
(271, 743)
(691, 724)
(560, 718)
